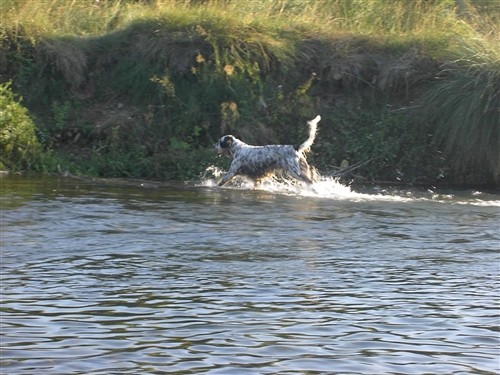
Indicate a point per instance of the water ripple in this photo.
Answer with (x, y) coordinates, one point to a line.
(236, 282)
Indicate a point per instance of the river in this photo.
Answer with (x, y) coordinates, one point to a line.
(141, 277)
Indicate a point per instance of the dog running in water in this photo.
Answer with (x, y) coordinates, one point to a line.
(259, 162)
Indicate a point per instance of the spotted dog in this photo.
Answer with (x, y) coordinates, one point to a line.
(259, 162)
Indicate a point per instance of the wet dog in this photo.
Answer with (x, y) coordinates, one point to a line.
(259, 162)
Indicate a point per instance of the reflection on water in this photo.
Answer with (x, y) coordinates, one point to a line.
(104, 277)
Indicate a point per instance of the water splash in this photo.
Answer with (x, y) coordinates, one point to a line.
(325, 187)
(331, 188)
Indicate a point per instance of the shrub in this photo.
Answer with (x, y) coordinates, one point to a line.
(19, 147)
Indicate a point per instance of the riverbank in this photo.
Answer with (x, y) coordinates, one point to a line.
(143, 89)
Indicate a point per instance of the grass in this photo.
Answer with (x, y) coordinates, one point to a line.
(465, 106)
(379, 18)
(126, 83)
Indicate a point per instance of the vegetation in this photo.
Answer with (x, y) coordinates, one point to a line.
(408, 89)
(465, 108)
(18, 142)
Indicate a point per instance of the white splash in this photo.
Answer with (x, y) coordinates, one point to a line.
(325, 187)
(330, 188)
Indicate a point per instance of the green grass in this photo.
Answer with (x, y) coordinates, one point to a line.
(143, 88)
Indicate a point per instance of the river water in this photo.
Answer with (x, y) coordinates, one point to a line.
(137, 277)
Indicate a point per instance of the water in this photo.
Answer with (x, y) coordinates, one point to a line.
(133, 277)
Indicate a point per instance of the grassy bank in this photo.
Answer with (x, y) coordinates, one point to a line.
(144, 88)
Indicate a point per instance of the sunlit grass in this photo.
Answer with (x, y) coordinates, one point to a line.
(431, 22)
(374, 17)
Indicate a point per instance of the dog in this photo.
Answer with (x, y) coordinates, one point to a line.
(259, 162)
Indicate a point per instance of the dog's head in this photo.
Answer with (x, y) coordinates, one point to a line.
(223, 146)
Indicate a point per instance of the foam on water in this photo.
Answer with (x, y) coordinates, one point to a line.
(330, 188)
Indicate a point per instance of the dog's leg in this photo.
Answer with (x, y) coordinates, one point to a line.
(307, 172)
(306, 179)
(231, 173)
(302, 172)
(314, 174)
(299, 177)
(226, 178)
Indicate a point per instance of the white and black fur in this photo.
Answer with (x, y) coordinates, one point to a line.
(259, 162)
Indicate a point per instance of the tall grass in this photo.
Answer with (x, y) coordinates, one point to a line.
(272, 22)
(465, 107)
(374, 17)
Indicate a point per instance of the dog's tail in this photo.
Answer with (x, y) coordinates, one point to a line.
(313, 125)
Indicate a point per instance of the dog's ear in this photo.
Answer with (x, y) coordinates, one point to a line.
(227, 141)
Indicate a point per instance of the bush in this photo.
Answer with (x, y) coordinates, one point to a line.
(19, 147)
